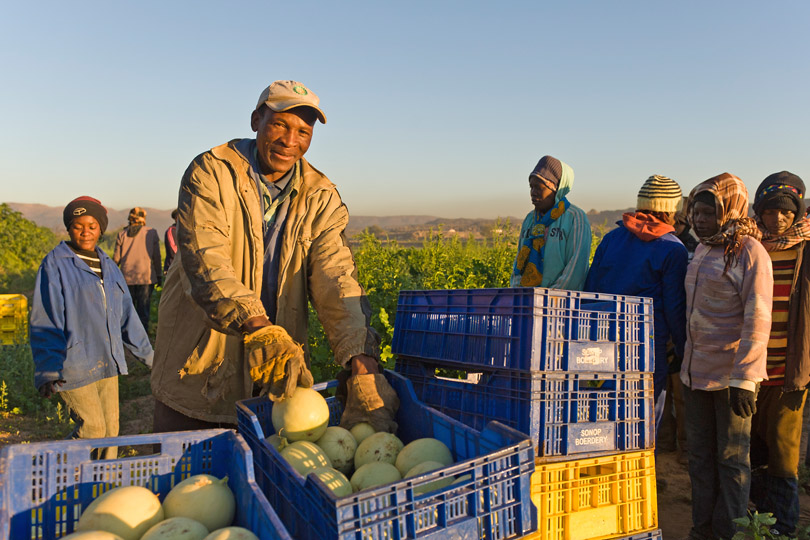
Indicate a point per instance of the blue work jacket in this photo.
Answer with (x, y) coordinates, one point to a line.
(79, 326)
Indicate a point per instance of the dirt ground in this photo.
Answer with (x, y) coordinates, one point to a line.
(675, 500)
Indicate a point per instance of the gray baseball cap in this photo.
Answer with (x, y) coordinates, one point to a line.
(281, 96)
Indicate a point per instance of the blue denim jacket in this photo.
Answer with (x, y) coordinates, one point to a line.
(78, 327)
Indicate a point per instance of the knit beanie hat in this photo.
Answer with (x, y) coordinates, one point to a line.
(137, 216)
(85, 206)
(548, 168)
(660, 194)
(782, 190)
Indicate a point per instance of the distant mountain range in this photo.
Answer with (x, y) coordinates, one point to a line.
(51, 217)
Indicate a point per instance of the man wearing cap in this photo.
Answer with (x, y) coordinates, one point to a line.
(643, 257)
(259, 234)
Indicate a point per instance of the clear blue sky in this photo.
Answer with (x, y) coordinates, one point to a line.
(438, 108)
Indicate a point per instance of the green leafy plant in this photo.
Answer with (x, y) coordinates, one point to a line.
(760, 526)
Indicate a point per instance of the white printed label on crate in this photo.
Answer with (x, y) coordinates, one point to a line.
(591, 356)
(591, 437)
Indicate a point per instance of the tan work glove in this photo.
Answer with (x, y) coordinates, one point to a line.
(276, 362)
(370, 398)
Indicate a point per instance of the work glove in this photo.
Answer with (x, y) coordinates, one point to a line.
(50, 388)
(276, 362)
(370, 398)
(743, 402)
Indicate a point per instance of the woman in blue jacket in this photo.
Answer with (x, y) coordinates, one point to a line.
(81, 320)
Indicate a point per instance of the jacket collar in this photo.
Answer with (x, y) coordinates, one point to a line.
(312, 180)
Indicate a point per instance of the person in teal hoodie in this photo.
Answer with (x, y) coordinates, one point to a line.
(555, 239)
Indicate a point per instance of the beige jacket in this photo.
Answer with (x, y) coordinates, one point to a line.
(199, 368)
(139, 256)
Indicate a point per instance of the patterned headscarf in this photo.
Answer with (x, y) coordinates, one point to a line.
(137, 216)
(731, 206)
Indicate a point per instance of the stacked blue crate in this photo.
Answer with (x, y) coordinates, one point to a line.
(571, 369)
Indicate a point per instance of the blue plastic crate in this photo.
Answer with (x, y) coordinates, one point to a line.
(529, 329)
(45, 486)
(493, 503)
(567, 415)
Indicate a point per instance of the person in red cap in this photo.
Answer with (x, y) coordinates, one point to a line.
(260, 233)
(81, 319)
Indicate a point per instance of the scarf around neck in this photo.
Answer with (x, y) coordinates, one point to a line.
(731, 207)
(796, 233)
(529, 262)
(645, 226)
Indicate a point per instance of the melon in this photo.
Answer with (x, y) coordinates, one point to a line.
(339, 445)
(421, 450)
(127, 511)
(276, 442)
(92, 535)
(424, 467)
(305, 457)
(335, 480)
(362, 431)
(176, 528)
(374, 474)
(381, 446)
(232, 533)
(301, 417)
(203, 498)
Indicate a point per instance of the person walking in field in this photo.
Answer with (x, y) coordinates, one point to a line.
(643, 257)
(81, 319)
(170, 243)
(260, 234)
(137, 253)
(777, 424)
(729, 286)
(555, 239)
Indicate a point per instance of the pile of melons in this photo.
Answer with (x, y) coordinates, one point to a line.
(348, 461)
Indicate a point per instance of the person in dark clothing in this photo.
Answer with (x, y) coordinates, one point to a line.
(642, 257)
(137, 253)
(170, 243)
(776, 428)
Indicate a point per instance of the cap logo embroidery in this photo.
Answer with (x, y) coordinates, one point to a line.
(79, 211)
(300, 90)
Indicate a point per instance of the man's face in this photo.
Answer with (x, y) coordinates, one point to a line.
(281, 138)
(84, 232)
(777, 220)
(542, 192)
(704, 217)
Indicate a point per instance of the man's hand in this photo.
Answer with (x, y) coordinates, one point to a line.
(276, 362)
(50, 388)
(370, 398)
(743, 402)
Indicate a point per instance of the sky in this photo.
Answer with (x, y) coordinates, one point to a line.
(433, 107)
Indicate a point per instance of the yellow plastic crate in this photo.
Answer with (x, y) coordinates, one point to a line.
(13, 319)
(595, 498)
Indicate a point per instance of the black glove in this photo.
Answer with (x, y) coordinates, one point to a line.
(743, 402)
(50, 388)
(793, 399)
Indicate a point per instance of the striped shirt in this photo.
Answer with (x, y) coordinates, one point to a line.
(90, 258)
(784, 268)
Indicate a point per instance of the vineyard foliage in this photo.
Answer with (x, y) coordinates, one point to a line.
(384, 268)
(23, 244)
